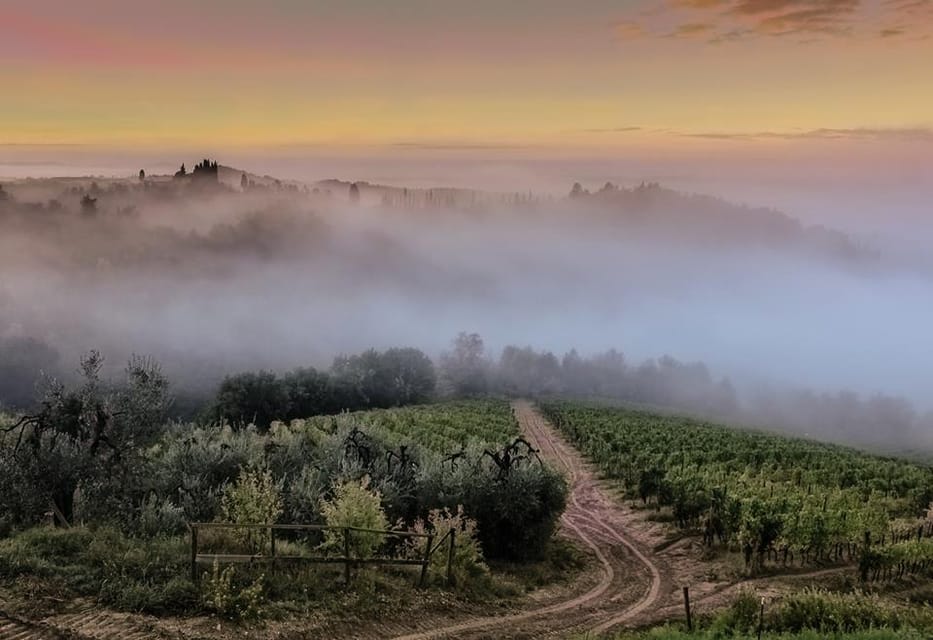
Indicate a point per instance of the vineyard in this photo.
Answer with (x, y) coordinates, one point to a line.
(779, 500)
(442, 428)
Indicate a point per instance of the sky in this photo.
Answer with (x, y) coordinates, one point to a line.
(526, 76)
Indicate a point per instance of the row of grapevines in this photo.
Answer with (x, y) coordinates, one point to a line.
(776, 497)
(896, 560)
(443, 428)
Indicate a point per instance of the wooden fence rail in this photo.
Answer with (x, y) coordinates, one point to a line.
(346, 559)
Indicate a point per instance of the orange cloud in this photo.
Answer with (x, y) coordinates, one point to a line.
(692, 30)
(908, 134)
(628, 30)
(700, 4)
(730, 20)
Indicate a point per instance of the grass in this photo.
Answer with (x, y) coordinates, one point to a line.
(666, 633)
(805, 615)
(563, 561)
(43, 570)
(47, 567)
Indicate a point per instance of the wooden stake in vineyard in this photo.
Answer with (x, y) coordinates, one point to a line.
(687, 607)
(761, 617)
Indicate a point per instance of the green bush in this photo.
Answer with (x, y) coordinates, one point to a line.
(354, 505)
(742, 615)
(223, 595)
(819, 611)
(252, 499)
(468, 563)
(517, 513)
(159, 516)
(193, 466)
(833, 612)
(304, 494)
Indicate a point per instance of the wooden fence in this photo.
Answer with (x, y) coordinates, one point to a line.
(272, 558)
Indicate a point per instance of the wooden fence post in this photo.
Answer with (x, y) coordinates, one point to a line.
(761, 618)
(272, 547)
(426, 561)
(346, 554)
(194, 553)
(450, 557)
(687, 608)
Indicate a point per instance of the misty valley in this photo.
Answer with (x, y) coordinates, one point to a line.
(670, 299)
(235, 404)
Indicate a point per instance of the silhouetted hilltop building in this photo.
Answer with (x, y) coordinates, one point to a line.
(206, 170)
(354, 193)
(204, 173)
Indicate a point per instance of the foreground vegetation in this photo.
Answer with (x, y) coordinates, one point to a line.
(100, 462)
(777, 499)
(808, 615)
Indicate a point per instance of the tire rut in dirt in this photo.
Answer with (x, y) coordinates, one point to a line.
(13, 628)
(98, 625)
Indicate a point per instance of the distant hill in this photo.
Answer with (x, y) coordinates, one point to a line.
(654, 210)
(646, 210)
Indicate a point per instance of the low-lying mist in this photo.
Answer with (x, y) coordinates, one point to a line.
(237, 272)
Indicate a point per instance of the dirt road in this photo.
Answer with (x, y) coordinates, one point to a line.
(632, 582)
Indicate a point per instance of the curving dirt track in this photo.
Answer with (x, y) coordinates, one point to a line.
(632, 582)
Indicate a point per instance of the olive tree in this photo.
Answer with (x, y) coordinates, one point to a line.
(90, 437)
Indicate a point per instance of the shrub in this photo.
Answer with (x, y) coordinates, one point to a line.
(468, 563)
(158, 516)
(820, 611)
(221, 594)
(252, 499)
(517, 513)
(304, 495)
(742, 615)
(354, 505)
(194, 465)
(833, 612)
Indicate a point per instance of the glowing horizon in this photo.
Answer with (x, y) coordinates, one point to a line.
(595, 75)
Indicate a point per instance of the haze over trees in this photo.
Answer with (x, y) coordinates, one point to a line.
(370, 380)
(279, 276)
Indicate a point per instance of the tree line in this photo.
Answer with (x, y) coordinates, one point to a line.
(403, 376)
(369, 380)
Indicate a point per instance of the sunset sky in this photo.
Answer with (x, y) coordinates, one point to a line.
(592, 74)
